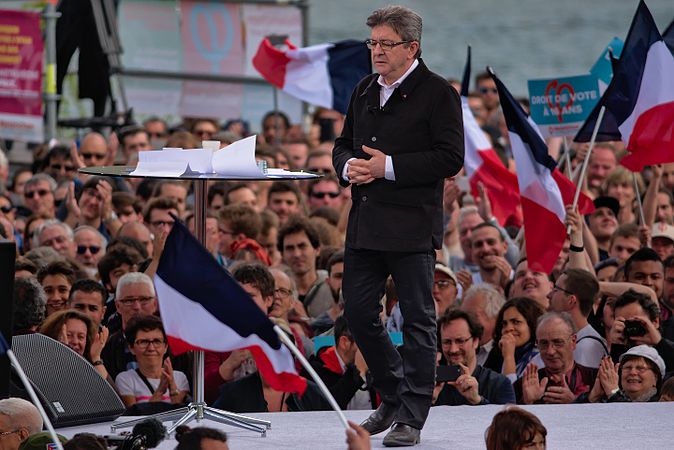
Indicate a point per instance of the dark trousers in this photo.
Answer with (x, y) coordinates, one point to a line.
(404, 378)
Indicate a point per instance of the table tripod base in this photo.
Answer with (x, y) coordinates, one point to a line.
(198, 412)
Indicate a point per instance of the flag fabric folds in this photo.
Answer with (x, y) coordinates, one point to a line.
(204, 308)
(640, 98)
(482, 165)
(323, 75)
(544, 190)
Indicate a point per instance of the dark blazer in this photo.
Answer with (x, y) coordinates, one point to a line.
(493, 387)
(421, 127)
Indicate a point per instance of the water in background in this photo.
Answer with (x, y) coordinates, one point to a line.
(521, 39)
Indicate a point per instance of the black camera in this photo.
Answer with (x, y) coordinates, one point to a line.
(634, 328)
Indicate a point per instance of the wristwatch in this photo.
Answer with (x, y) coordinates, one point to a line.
(98, 362)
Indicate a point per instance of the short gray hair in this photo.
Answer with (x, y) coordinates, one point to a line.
(563, 316)
(30, 303)
(133, 278)
(405, 22)
(35, 179)
(494, 300)
(22, 414)
(104, 241)
(51, 223)
(293, 285)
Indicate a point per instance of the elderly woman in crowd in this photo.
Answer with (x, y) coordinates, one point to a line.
(637, 378)
(515, 338)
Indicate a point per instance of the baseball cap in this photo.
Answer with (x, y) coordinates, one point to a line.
(607, 202)
(446, 270)
(648, 352)
(661, 229)
(41, 441)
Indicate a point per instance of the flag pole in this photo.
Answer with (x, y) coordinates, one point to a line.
(326, 393)
(579, 186)
(638, 195)
(33, 397)
(567, 157)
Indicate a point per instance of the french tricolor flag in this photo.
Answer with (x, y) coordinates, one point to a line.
(639, 100)
(323, 75)
(204, 308)
(483, 165)
(544, 190)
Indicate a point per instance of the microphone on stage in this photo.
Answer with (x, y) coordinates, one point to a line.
(146, 434)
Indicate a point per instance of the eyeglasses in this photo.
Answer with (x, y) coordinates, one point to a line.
(7, 433)
(458, 341)
(144, 343)
(98, 156)
(443, 284)
(162, 223)
(82, 249)
(204, 133)
(129, 301)
(556, 343)
(322, 195)
(37, 192)
(558, 288)
(384, 44)
(59, 167)
(638, 369)
(6, 209)
(282, 292)
(157, 135)
(484, 90)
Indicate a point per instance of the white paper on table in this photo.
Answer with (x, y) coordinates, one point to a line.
(283, 173)
(237, 159)
(199, 159)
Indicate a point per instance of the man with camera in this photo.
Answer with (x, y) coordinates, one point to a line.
(462, 381)
(637, 322)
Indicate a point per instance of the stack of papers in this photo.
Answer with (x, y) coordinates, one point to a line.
(237, 160)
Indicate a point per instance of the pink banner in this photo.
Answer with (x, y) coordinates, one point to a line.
(21, 51)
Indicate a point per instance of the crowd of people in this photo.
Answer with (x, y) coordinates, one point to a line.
(599, 328)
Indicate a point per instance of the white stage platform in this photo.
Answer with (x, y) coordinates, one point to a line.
(602, 426)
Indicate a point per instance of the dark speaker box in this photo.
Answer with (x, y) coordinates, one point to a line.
(69, 388)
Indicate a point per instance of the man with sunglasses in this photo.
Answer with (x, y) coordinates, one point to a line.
(38, 195)
(325, 192)
(94, 150)
(486, 87)
(403, 135)
(89, 248)
(59, 164)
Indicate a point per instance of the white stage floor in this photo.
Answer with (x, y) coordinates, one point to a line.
(602, 426)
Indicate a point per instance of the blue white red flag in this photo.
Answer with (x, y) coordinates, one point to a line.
(483, 165)
(204, 308)
(544, 190)
(640, 99)
(323, 75)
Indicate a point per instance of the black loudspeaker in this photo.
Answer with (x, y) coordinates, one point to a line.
(69, 388)
(7, 257)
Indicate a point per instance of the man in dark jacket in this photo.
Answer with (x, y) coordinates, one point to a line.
(403, 135)
(460, 338)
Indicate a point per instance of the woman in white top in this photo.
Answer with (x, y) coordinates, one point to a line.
(154, 380)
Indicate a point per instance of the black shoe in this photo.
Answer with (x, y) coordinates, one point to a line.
(402, 435)
(381, 419)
